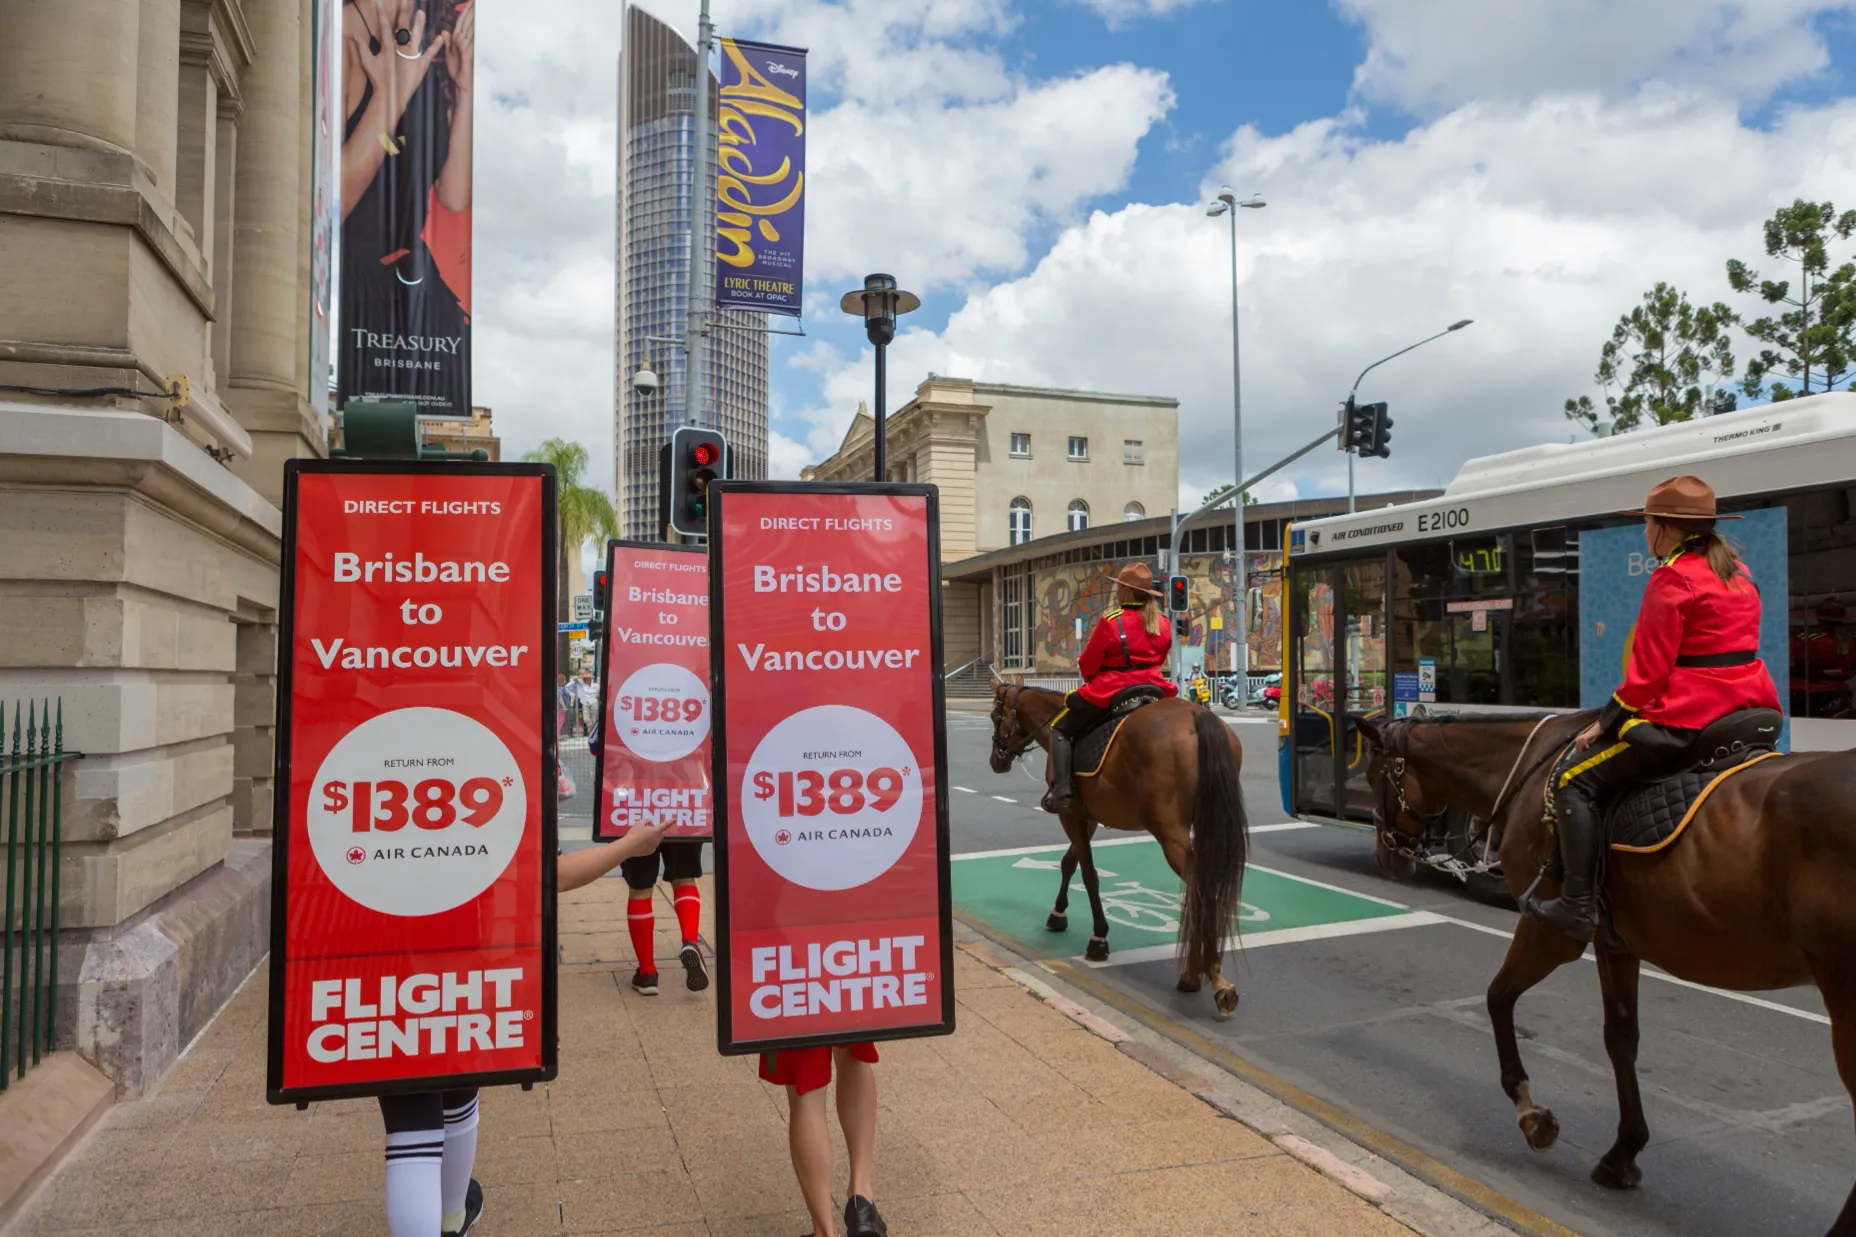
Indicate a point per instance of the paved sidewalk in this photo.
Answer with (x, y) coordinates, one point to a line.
(1025, 1122)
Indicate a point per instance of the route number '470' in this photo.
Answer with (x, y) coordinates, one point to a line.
(845, 791)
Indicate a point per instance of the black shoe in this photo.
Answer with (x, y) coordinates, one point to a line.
(473, 1209)
(644, 983)
(695, 971)
(861, 1218)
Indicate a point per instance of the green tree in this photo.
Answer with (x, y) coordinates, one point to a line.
(1656, 362)
(1250, 498)
(1813, 336)
(584, 512)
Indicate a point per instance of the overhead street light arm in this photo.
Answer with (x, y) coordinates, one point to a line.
(1454, 326)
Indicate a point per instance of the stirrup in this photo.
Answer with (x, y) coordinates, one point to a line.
(1558, 913)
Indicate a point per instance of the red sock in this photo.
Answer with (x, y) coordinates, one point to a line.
(641, 922)
(689, 910)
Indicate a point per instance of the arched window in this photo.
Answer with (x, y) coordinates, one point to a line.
(1079, 515)
(1020, 521)
(1133, 511)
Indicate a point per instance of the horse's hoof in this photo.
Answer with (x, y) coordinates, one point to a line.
(1541, 1128)
(1625, 1176)
(1057, 923)
(1097, 951)
(1224, 1003)
(1187, 984)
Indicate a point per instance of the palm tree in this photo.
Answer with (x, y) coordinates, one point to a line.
(584, 512)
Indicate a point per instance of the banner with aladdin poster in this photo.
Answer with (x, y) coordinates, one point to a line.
(654, 691)
(404, 332)
(833, 908)
(760, 179)
(412, 912)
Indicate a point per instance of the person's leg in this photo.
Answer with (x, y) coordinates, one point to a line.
(682, 867)
(463, 1198)
(808, 1138)
(415, 1153)
(857, 1115)
(640, 874)
(1074, 719)
(1592, 778)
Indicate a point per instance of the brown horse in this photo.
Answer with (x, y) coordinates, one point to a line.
(1754, 895)
(1173, 771)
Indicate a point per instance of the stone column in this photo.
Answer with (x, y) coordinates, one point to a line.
(225, 199)
(196, 176)
(68, 73)
(157, 92)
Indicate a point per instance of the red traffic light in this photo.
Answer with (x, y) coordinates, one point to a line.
(705, 454)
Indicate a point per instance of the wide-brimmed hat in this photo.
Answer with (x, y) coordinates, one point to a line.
(1136, 576)
(1681, 498)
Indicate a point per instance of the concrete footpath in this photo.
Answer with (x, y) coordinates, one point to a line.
(1040, 1116)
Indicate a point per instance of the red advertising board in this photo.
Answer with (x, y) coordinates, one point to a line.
(833, 915)
(654, 691)
(412, 914)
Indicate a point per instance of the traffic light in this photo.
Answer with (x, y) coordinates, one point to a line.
(1178, 594)
(697, 458)
(1378, 432)
(1356, 425)
(599, 592)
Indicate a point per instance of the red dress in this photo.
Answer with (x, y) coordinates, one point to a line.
(1687, 619)
(1121, 654)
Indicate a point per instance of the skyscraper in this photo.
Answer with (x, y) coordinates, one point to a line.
(657, 101)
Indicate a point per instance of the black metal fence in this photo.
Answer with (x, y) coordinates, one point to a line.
(31, 803)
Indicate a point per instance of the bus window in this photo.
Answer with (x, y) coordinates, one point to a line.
(1544, 636)
(1364, 665)
(1465, 652)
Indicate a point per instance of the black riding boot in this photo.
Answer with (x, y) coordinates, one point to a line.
(1574, 912)
(1062, 792)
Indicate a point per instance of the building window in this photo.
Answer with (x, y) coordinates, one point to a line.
(1079, 448)
(1131, 451)
(1079, 516)
(1021, 445)
(1020, 531)
(1133, 511)
(1017, 618)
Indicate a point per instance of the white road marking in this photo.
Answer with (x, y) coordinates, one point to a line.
(966, 790)
(1279, 936)
(1651, 972)
(1003, 799)
(1285, 827)
(1050, 850)
(1352, 893)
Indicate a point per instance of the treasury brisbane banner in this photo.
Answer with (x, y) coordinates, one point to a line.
(760, 180)
(833, 920)
(405, 181)
(412, 914)
(654, 691)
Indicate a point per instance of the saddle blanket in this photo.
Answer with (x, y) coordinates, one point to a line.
(1647, 818)
(1092, 749)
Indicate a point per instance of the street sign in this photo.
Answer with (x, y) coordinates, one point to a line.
(654, 691)
(583, 608)
(833, 911)
(412, 915)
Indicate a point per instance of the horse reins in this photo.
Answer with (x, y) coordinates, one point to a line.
(1010, 717)
(1398, 738)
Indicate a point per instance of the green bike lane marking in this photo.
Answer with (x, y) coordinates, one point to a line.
(1012, 891)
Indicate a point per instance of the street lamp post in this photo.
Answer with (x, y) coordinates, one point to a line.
(695, 305)
(879, 303)
(1454, 326)
(1227, 204)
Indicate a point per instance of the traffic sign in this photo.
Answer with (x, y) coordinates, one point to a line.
(412, 923)
(832, 916)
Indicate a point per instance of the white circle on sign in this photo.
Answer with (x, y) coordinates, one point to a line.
(832, 797)
(445, 810)
(662, 712)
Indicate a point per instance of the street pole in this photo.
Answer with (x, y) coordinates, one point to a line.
(882, 435)
(695, 303)
(1241, 662)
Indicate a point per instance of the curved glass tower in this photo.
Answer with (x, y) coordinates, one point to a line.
(657, 103)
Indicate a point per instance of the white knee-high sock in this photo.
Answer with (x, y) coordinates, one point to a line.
(414, 1161)
(459, 1159)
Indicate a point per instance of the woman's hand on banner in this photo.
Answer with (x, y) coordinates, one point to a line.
(461, 47)
(583, 867)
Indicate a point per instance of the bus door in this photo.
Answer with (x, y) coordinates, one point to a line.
(1339, 653)
(1311, 711)
(1364, 677)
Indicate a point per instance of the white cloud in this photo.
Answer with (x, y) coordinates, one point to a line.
(1542, 222)
(1428, 55)
(1119, 13)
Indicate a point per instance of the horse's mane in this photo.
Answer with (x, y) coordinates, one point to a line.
(1441, 718)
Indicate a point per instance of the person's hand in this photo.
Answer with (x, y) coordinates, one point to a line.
(407, 71)
(647, 837)
(1587, 737)
(461, 47)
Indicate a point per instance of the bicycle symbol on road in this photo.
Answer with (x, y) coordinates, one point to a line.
(1133, 905)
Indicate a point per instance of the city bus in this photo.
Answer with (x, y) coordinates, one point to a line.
(1516, 590)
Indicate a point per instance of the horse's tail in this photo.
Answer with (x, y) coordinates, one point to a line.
(1220, 847)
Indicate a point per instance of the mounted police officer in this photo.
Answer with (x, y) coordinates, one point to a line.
(1693, 659)
(1128, 647)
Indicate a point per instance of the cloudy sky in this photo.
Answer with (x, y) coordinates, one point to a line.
(1038, 171)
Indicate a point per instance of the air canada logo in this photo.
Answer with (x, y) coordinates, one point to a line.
(832, 797)
(356, 855)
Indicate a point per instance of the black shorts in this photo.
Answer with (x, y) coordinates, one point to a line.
(680, 859)
(426, 1110)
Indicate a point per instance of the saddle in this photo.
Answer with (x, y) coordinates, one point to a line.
(1650, 815)
(1092, 745)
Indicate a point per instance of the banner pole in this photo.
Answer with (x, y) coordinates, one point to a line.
(696, 302)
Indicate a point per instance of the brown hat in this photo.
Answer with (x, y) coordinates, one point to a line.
(1137, 577)
(1681, 498)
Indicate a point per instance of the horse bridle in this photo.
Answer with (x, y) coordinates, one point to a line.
(1001, 750)
(1396, 744)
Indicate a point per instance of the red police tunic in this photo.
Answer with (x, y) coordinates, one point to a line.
(1689, 619)
(1121, 654)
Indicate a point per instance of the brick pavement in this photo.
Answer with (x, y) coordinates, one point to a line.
(1023, 1123)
